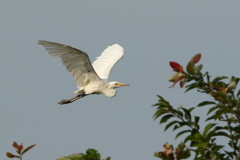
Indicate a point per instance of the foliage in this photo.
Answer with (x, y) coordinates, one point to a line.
(19, 150)
(224, 111)
(91, 154)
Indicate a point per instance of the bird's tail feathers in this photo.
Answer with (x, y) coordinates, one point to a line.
(77, 92)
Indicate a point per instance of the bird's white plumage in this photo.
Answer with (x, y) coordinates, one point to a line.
(76, 62)
(105, 62)
(88, 76)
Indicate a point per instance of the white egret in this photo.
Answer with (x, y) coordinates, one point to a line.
(89, 77)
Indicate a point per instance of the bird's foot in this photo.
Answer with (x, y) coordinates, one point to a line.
(64, 101)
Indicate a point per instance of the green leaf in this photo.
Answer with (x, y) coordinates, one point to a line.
(220, 112)
(220, 134)
(90, 157)
(179, 113)
(234, 102)
(220, 105)
(212, 117)
(170, 124)
(205, 103)
(159, 112)
(210, 135)
(198, 137)
(192, 86)
(181, 124)
(214, 82)
(163, 157)
(180, 133)
(221, 127)
(163, 100)
(161, 105)
(221, 84)
(182, 151)
(91, 154)
(232, 85)
(237, 136)
(207, 75)
(230, 154)
(75, 156)
(222, 95)
(63, 158)
(201, 146)
(198, 69)
(176, 127)
(196, 120)
(166, 118)
(10, 155)
(187, 114)
(234, 79)
(207, 128)
(238, 93)
(236, 129)
(190, 68)
(91, 151)
(189, 138)
(211, 109)
(190, 109)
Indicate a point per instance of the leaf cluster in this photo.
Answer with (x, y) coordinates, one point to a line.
(91, 154)
(20, 150)
(223, 110)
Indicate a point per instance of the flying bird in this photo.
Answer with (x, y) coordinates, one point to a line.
(90, 78)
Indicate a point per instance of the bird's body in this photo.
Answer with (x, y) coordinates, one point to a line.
(89, 77)
(99, 87)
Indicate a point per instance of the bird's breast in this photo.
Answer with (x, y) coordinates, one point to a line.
(94, 88)
(110, 92)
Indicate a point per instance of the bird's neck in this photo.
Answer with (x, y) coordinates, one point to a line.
(110, 91)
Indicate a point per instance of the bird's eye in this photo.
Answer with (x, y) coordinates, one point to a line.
(116, 84)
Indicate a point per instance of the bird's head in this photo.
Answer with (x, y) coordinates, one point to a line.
(115, 84)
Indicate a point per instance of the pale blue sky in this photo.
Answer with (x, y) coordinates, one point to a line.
(152, 34)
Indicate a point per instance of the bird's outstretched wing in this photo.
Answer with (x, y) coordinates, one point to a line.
(76, 61)
(105, 62)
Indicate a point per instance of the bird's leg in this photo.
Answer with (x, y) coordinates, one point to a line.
(66, 101)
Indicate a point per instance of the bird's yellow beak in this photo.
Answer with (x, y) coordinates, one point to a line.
(122, 84)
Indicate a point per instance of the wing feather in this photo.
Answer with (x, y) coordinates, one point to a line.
(105, 62)
(76, 61)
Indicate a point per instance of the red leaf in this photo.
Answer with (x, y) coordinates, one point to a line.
(28, 148)
(21, 146)
(182, 84)
(167, 153)
(176, 67)
(178, 79)
(15, 145)
(195, 59)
